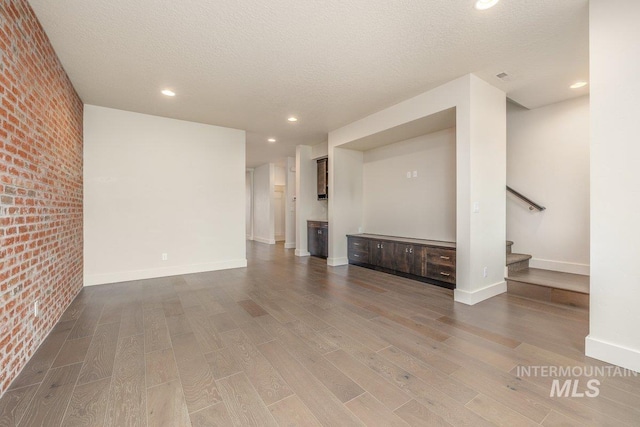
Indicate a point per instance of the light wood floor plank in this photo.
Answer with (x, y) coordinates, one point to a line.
(243, 403)
(387, 393)
(211, 416)
(166, 406)
(156, 334)
(291, 411)
(263, 376)
(325, 406)
(127, 397)
(14, 403)
(100, 356)
(373, 413)
(198, 383)
(498, 413)
(72, 351)
(160, 367)
(50, 401)
(88, 404)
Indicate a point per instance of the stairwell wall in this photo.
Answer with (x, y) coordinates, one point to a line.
(548, 161)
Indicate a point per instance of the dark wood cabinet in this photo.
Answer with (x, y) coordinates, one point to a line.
(425, 260)
(382, 253)
(323, 179)
(403, 257)
(318, 238)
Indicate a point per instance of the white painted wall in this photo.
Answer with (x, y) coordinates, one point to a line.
(263, 209)
(345, 200)
(279, 200)
(420, 207)
(548, 161)
(305, 194)
(154, 185)
(290, 219)
(615, 175)
(249, 203)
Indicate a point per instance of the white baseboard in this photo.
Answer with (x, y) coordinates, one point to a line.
(564, 267)
(127, 276)
(612, 353)
(300, 252)
(262, 240)
(474, 297)
(249, 237)
(334, 262)
(280, 238)
(290, 245)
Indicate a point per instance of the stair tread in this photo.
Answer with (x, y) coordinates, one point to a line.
(514, 258)
(552, 279)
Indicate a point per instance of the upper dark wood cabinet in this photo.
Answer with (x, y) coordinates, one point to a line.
(323, 179)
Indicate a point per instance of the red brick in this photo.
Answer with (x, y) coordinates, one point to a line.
(41, 213)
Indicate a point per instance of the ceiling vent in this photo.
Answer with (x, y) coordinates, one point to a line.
(504, 76)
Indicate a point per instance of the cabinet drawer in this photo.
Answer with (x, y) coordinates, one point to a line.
(442, 272)
(359, 256)
(441, 256)
(358, 245)
(317, 224)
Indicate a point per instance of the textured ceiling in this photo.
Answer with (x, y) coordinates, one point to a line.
(249, 64)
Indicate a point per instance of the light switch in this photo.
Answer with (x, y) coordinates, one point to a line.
(409, 174)
(476, 207)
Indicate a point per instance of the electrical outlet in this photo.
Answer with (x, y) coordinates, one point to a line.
(415, 174)
(484, 272)
(165, 256)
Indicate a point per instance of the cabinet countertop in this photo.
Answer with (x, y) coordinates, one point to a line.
(437, 243)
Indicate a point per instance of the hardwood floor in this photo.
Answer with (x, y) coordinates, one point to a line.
(290, 341)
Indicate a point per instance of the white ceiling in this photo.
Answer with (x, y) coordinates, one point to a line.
(249, 64)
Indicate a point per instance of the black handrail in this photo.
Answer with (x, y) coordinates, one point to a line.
(532, 205)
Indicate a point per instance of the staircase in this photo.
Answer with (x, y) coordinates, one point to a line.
(545, 285)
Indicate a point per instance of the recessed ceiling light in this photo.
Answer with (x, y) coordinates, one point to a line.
(292, 119)
(485, 4)
(578, 85)
(271, 140)
(168, 92)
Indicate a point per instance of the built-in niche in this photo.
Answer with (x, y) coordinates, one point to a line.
(409, 179)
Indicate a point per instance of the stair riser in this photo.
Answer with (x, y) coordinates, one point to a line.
(509, 248)
(545, 294)
(518, 266)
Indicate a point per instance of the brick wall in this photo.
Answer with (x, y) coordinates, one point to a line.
(40, 187)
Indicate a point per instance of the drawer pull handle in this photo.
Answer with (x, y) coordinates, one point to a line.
(444, 257)
(410, 250)
(356, 244)
(319, 231)
(356, 255)
(444, 274)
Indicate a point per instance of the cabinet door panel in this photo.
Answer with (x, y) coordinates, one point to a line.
(419, 267)
(382, 254)
(403, 257)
